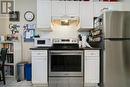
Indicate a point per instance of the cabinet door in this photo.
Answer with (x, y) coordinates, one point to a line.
(72, 8)
(100, 7)
(39, 70)
(116, 6)
(58, 8)
(43, 14)
(91, 70)
(125, 6)
(86, 14)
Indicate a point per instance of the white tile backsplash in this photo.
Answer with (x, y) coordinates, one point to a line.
(61, 32)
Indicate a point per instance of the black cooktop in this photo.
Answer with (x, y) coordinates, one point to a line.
(65, 46)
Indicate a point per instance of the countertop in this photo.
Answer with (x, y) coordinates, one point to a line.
(50, 48)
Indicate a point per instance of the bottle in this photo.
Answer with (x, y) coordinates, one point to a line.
(2, 38)
(80, 44)
(84, 41)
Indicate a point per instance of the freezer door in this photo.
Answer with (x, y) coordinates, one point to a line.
(117, 63)
(117, 24)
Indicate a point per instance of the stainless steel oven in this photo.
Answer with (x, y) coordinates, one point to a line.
(65, 63)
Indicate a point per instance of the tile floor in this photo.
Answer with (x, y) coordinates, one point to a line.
(10, 82)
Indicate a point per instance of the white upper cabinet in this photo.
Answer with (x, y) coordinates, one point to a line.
(86, 14)
(126, 5)
(58, 8)
(85, 10)
(116, 6)
(61, 8)
(43, 14)
(100, 7)
(72, 8)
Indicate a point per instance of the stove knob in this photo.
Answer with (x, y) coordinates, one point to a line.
(73, 40)
(56, 40)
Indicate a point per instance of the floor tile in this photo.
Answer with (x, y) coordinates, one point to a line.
(10, 82)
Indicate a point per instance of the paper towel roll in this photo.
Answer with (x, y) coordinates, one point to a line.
(83, 41)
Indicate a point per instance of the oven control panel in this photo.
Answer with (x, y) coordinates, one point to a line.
(65, 41)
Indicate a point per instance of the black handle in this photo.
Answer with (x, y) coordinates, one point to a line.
(116, 39)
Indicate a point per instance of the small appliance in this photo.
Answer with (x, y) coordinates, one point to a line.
(43, 42)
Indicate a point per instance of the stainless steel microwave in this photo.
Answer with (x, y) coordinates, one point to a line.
(42, 42)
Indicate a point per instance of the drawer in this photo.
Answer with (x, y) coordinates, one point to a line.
(34, 58)
(39, 53)
(91, 53)
(92, 58)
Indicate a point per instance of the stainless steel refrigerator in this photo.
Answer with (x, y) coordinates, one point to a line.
(116, 63)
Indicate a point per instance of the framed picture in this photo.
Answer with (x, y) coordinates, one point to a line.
(6, 6)
(29, 35)
(14, 16)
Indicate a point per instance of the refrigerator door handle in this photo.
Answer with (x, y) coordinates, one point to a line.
(116, 39)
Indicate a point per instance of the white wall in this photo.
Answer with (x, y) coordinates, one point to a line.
(23, 6)
(126, 5)
(4, 22)
(3, 25)
(61, 32)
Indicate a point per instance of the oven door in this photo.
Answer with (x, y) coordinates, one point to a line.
(65, 63)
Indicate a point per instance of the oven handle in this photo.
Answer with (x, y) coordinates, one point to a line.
(66, 52)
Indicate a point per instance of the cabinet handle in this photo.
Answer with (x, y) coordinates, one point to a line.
(38, 53)
(92, 53)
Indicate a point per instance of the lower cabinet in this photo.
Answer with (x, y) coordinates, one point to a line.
(39, 67)
(92, 67)
(40, 70)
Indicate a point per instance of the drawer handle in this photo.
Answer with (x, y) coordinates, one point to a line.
(92, 53)
(39, 53)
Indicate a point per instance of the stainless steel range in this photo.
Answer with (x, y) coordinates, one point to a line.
(65, 64)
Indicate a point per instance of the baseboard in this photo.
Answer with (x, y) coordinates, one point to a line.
(40, 85)
(90, 85)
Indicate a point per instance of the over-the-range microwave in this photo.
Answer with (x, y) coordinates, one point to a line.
(42, 42)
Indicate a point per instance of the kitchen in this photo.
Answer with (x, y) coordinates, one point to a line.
(62, 33)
